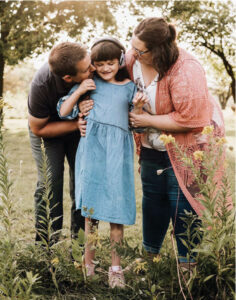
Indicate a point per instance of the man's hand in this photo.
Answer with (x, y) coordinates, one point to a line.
(82, 125)
(86, 85)
(85, 106)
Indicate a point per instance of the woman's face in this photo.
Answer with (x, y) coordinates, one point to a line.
(140, 51)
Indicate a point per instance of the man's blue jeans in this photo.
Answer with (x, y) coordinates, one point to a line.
(160, 204)
(57, 149)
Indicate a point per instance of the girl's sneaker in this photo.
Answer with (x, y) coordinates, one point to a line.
(116, 278)
(90, 270)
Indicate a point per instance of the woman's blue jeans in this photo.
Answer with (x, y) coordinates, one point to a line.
(160, 204)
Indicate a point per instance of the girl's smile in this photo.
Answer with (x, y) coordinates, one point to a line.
(108, 69)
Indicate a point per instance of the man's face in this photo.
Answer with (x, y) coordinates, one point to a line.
(84, 68)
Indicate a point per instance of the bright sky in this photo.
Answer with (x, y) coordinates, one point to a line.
(124, 21)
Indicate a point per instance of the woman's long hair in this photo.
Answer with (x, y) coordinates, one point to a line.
(159, 37)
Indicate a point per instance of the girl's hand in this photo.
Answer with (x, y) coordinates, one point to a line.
(86, 85)
(140, 120)
(85, 106)
(82, 125)
(140, 99)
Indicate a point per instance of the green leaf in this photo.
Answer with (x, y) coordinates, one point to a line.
(153, 288)
(81, 237)
(208, 277)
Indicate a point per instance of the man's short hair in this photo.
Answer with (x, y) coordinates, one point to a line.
(64, 57)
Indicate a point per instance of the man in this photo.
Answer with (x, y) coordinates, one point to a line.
(69, 63)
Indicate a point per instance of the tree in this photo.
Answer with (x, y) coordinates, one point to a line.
(219, 82)
(205, 25)
(209, 25)
(28, 27)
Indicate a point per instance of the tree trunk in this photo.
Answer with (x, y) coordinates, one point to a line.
(227, 65)
(1, 74)
(233, 89)
(2, 64)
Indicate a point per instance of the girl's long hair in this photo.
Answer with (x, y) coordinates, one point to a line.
(159, 37)
(107, 50)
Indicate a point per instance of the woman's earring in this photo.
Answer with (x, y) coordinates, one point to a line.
(122, 59)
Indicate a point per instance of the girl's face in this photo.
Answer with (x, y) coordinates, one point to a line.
(107, 69)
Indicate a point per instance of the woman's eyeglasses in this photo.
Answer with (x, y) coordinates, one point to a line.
(140, 53)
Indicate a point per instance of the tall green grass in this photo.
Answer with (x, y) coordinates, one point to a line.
(30, 272)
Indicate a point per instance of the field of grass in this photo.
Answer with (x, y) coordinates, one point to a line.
(22, 171)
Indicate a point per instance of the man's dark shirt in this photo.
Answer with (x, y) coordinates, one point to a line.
(46, 89)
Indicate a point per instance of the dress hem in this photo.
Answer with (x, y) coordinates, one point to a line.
(116, 221)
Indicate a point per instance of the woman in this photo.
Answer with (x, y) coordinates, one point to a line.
(179, 105)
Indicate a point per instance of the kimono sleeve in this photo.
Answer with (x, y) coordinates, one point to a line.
(75, 111)
(189, 95)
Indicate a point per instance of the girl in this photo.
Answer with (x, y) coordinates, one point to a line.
(104, 161)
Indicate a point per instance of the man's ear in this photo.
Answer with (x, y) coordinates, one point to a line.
(67, 78)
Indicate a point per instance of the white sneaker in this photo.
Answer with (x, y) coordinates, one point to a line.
(90, 270)
(116, 278)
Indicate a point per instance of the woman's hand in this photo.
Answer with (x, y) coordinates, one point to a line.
(140, 120)
(85, 106)
(81, 123)
(160, 122)
(140, 99)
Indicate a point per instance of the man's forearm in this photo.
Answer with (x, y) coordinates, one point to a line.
(54, 129)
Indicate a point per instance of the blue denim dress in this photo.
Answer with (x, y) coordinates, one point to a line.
(104, 171)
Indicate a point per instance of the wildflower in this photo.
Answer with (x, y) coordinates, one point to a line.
(226, 164)
(55, 261)
(94, 239)
(156, 259)
(77, 265)
(160, 171)
(166, 139)
(221, 141)
(91, 211)
(141, 266)
(186, 160)
(198, 155)
(207, 130)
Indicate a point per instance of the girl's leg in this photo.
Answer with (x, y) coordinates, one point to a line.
(116, 236)
(115, 274)
(90, 227)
